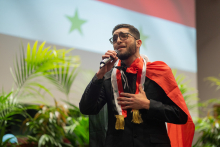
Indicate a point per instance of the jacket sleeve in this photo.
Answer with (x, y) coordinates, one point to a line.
(93, 98)
(164, 109)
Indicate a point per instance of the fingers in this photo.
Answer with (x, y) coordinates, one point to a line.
(126, 94)
(123, 99)
(113, 61)
(124, 103)
(141, 89)
(110, 53)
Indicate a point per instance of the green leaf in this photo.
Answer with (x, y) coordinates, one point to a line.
(42, 87)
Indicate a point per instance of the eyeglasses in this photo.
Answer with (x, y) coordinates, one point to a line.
(122, 36)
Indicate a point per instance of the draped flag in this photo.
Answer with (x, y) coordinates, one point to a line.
(180, 135)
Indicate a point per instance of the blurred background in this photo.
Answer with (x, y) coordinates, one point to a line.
(182, 33)
(167, 30)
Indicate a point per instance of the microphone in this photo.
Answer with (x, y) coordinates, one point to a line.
(106, 60)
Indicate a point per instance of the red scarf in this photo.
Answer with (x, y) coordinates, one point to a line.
(134, 68)
(180, 135)
(160, 72)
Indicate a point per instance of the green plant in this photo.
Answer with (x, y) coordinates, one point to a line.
(56, 65)
(30, 71)
(77, 130)
(214, 81)
(209, 127)
(217, 110)
(2, 132)
(8, 108)
(47, 127)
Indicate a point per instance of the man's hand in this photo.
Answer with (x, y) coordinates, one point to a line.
(109, 65)
(134, 101)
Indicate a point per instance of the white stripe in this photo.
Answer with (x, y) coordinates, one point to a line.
(115, 85)
(166, 126)
(143, 74)
(168, 41)
(115, 89)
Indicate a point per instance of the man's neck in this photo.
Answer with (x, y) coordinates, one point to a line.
(131, 59)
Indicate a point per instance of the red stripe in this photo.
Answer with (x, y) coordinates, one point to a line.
(138, 80)
(120, 87)
(179, 11)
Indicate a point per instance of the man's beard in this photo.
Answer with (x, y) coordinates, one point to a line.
(131, 51)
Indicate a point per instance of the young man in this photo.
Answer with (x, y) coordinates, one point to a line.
(141, 97)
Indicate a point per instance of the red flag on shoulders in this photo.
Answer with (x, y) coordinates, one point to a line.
(160, 72)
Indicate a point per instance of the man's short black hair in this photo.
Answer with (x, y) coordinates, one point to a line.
(134, 31)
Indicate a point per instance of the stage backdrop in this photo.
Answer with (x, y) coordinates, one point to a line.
(167, 30)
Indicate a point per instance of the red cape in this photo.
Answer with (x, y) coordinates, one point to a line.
(160, 72)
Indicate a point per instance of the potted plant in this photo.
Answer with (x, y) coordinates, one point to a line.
(77, 129)
(8, 108)
(47, 127)
(208, 127)
(209, 130)
(56, 66)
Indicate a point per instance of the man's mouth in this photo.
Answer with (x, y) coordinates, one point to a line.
(120, 47)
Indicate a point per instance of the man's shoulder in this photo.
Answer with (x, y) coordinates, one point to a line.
(158, 69)
(157, 64)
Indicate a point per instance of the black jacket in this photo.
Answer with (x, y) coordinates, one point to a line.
(151, 133)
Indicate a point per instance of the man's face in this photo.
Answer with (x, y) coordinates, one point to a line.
(126, 47)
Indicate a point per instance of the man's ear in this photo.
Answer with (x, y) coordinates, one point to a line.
(138, 43)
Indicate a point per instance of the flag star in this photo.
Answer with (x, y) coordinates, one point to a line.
(143, 38)
(76, 22)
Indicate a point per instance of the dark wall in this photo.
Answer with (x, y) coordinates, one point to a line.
(208, 47)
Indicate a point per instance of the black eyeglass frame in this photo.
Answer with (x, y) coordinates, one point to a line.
(111, 39)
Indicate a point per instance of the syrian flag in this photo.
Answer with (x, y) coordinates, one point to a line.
(167, 27)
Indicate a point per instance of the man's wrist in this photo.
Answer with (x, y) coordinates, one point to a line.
(97, 81)
(147, 105)
(99, 75)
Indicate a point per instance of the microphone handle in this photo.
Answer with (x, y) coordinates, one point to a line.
(106, 60)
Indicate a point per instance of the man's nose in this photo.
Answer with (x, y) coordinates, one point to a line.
(118, 40)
